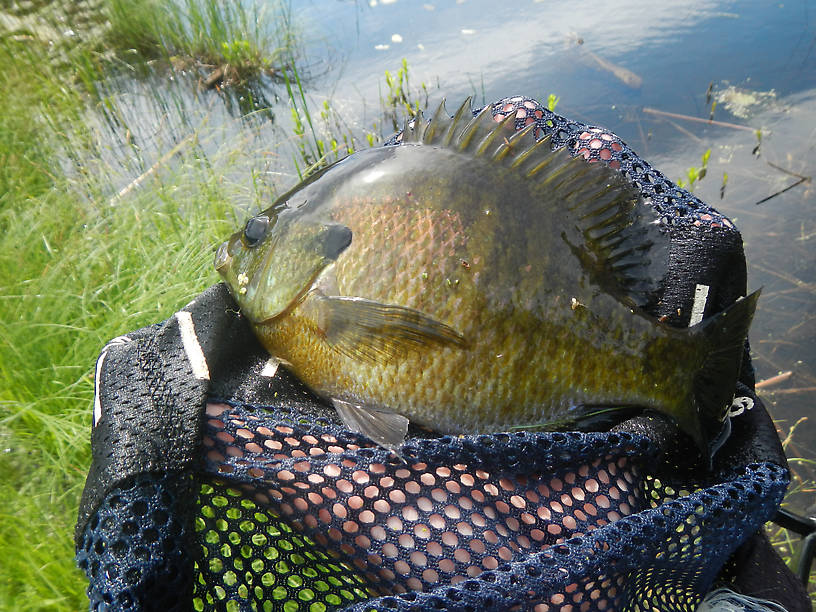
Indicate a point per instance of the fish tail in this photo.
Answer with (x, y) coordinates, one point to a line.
(723, 341)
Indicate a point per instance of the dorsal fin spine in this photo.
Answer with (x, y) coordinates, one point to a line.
(491, 136)
(482, 121)
(616, 257)
(565, 170)
(614, 235)
(540, 167)
(517, 134)
(523, 156)
(606, 199)
(610, 213)
(439, 120)
(611, 245)
(537, 161)
(511, 142)
(616, 243)
(587, 171)
(600, 239)
(454, 125)
(411, 134)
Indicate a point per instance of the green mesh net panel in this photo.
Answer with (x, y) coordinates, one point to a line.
(253, 560)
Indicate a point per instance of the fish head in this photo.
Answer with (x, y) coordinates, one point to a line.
(271, 263)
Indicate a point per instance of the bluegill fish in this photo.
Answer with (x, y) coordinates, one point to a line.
(471, 280)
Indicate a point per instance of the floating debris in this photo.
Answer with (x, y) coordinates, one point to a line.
(468, 31)
(743, 103)
(396, 38)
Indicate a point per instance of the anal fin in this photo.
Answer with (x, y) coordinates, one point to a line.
(585, 417)
(388, 429)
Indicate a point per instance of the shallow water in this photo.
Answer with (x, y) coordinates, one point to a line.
(760, 58)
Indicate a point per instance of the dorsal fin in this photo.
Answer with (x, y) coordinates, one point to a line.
(427, 132)
(613, 232)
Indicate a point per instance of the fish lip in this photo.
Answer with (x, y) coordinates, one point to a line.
(258, 282)
(222, 257)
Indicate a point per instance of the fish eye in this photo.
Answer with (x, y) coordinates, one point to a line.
(256, 229)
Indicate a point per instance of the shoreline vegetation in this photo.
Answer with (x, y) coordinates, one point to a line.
(136, 135)
(227, 38)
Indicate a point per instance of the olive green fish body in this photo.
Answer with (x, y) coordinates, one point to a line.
(470, 283)
(513, 380)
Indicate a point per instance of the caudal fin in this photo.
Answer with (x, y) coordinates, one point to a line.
(723, 338)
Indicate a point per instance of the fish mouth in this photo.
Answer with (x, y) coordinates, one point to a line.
(222, 257)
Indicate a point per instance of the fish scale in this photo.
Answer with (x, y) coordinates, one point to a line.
(375, 225)
(471, 281)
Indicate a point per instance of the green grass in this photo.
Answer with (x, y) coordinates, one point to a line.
(79, 266)
(99, 235)
(105, 228)
(73, 277)
(102, 232)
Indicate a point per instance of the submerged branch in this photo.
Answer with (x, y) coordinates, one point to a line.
(781, 169)
(781, 191)
(773, 380)
(152, 169)
(660, 113)
(802, 179)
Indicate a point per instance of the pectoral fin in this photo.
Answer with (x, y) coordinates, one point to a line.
(377, 333)
(388, 429)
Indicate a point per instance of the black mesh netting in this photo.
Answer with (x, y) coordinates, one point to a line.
(299, 515)
(135, 546)
(270, 505)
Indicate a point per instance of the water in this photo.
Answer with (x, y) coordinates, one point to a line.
(767, 51)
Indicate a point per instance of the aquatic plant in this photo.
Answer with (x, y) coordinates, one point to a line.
(399, 102)
(694, 174)
(327, 136)
(231, 41)
(803, 487)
